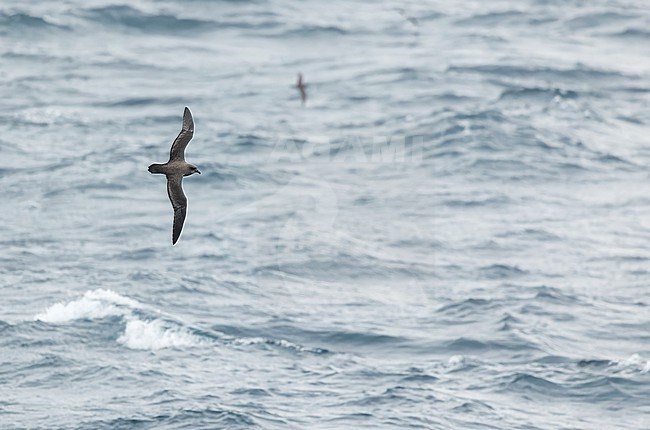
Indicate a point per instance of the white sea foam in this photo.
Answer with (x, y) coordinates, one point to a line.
(276, 342)
(634, 362)
(456, 360)
(138, 334)
(155, 334)
(94, 304)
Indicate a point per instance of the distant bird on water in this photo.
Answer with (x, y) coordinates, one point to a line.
(174, 170)
(302, 88)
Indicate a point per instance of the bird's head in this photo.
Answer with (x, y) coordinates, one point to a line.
(192, 170)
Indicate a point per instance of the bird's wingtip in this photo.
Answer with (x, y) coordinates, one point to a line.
(188, 121)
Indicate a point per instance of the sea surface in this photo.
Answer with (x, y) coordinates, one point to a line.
(453, 232)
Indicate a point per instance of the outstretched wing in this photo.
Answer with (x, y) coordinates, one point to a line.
(179, 203)
(303, 94)
(302, 87)
(178, 147)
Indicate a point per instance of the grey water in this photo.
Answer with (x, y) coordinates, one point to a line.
(453, 232)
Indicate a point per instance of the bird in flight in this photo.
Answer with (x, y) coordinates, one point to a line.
(174, 170)
(302, 88)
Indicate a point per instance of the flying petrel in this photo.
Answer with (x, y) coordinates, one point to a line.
(302, 88)
(174, 170)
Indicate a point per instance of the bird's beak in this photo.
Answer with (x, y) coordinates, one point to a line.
(198, 171)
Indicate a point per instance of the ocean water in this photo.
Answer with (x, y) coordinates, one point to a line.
(452, 233)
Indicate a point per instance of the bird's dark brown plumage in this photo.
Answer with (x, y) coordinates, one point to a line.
(302, 88)
(175, 169)
(177, 151)
(179, 203)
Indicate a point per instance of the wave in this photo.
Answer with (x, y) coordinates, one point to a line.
(537, 93)
(578, 73)
(460, 363)
(132, 18)
(128, 16)
(632, 33)
(537, 234)
(93, 305)
(209, 417)
(313, 31)
(508, 321)
(551, 294)
(338, 338)
(634, 363)
(494, 18)
(23, 21)
(281, 343)
(494, 201)
(146, 329)
(594, 363)
(214, 417)
(143, 101)
(155, 334)
(597, 19)
(475, 407)
(468, 307)
(531, 383)
(489, 143)
(469, 344)
(150, 334)
(117, 423)
(501, 271)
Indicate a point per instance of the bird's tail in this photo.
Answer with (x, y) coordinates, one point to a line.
(156, 168)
